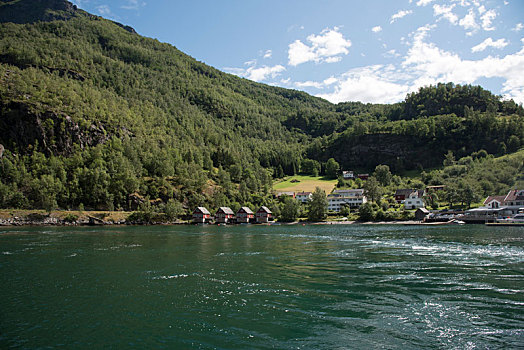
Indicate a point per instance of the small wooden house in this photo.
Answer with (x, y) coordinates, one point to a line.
(245, 215)
(363, 176)
(421, 213)
(201, 215)
(224, 215)
(264, 215)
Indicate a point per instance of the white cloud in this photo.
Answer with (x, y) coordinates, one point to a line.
(262, 73)
(426, 64)
(445, 12)
(268, 54)
(309, 83)
(132, 5)
(370, 84)
(318, 85)
(392, 53)
(104, 10)
(469, 21)
(518, 27)
(330, 81)
(399, 15)
(257, 73)
(487, 18)
(424, 2)
(498, 44)
(376, 29)
(429, 65)
(327, 47)
(334, 59)
(481, 9)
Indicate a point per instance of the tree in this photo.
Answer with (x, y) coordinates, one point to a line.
(318, 205)
(290, 209)
(513, 143)
(310, 167)
(365, 212)
(467, 193)
(173, 209)
(431, 199)
(332, 168)
(344, 210)
(449, 159)
(452, 194)
(372, 189)
(383, 174)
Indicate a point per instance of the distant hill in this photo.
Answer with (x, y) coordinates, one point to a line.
(92, 113)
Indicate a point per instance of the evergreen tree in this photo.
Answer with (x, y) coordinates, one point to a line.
(372, 189)
(318, 205)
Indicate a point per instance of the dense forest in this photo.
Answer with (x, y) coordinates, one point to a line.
(94, 115)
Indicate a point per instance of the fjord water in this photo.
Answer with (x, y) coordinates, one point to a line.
(285, 287)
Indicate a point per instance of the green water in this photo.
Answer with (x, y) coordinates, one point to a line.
(307, 287)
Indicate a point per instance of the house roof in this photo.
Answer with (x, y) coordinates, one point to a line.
(303, 193)
(264, 209)
(404, 191)
(202, 210)
(226, 210)
(424, 210)
(285, 193)
(409, 192)
(355, 190)
(490, 199)
(245, 210)
(514, 195)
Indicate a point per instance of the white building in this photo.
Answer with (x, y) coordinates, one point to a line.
(348, 175)
(414, 200)
(303, 197)
(352, 198)
(514, 201)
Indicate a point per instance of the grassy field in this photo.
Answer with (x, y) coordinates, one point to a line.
(305, 184)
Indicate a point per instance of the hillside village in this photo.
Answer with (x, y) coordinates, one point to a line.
(412, 203)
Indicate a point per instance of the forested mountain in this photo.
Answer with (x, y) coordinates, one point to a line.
(93, 114)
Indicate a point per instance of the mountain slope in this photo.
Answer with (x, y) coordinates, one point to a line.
(92, 113)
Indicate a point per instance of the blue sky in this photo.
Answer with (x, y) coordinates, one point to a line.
(343, 50)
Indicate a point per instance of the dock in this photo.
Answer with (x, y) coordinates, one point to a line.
(505, 224)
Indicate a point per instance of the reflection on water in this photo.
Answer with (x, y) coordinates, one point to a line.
(262, 287)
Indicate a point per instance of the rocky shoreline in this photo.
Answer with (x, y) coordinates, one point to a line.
(92, 221)
(101, 218)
